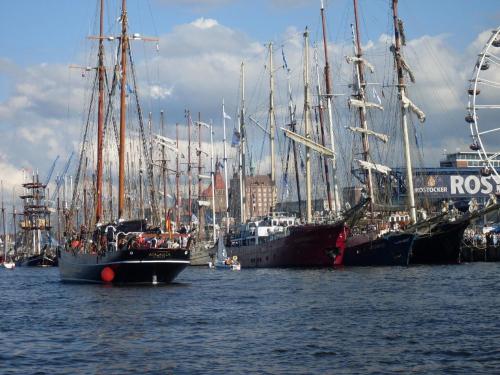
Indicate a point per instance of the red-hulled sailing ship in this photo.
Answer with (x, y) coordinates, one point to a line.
(280, 240)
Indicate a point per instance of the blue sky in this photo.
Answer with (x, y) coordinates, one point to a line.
(36, 31)
(40, 39)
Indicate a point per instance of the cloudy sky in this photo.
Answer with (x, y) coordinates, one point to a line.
(201, 46)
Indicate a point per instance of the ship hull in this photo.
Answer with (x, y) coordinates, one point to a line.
(40, 260)
(389, 250)
(305, 246)
(441, 245)
(202, 255)
(127, 266)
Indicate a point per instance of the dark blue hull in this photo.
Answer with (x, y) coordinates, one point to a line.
(126, 266)
(41, 260)
(390, 250)
(441, 245)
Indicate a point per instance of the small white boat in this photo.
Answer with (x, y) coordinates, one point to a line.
(9, 265)
(222, 261)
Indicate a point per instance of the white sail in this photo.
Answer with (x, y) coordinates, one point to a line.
(363, 104)
(409, 104)
(354, 59)
(373, 166)
(383, 137)
(310, 143)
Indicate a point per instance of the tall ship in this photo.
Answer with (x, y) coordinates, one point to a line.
(439, 237)
(371, 241)
(279, 239)
(34, 246)
(135, 246)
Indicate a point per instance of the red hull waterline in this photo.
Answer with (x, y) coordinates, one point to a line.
(315, 245)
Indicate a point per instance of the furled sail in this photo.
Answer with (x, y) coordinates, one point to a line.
(383, 137)
(409, 104)
(363, 104)
(373, 166)
(354, 59)
(309, 143)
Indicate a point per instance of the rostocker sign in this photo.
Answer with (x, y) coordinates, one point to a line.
(456, 185)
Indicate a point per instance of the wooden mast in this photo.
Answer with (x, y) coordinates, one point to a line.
(362, 110)
(291, 110)
(201, 218)
(307, 128)
(4, 230)
(329, 95)
(404, 124)
(177, 176)
(164, 172)
(123, 111)
(14, 213)
(242, 166)
(190, 177)
(272, 125)
(322, 132)
(225, 163)
(100, 118)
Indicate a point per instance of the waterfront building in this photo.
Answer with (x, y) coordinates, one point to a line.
(260, 195)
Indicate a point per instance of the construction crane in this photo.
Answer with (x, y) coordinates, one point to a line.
(60, 178)
(51, 170)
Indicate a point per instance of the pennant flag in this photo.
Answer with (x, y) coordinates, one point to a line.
(226, 116)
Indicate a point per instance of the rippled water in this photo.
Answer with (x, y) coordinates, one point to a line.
(424, 320)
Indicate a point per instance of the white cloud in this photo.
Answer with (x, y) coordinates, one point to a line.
(204, 23)
(199, 64)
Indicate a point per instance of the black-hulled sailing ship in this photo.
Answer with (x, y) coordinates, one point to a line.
(370, 242)
(438, 239)
(279, 239)
(124, 250)
(35, 246)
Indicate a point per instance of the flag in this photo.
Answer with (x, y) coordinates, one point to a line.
(226, 116)
(236, 138)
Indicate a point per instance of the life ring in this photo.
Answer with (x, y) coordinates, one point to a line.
(235, 258)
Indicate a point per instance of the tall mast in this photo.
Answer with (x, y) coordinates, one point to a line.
(291, 110)
(307, 126)
(242, 148)
(361, 84)
(225, 163)
(123, 111)
(212, 175)
(4, 230)
(271, 123)
(177, 176)
(329, 95)
(14, 213)
(404, 124)
(200, 208)
(190, 177)
(322, 130)
(164, 171)
(100, 118)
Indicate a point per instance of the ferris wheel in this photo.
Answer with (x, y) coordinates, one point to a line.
(483, 109)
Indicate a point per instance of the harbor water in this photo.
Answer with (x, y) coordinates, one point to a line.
(418, 320)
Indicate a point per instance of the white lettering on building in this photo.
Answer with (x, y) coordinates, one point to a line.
(457, 185)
